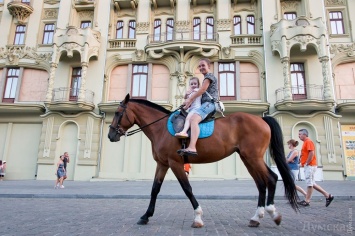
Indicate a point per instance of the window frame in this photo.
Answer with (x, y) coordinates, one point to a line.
(292, 14)
(210, 26)
(119, 28)
(75, 85)
(47, 34)
(157, 30)
(20, 35)
(337, 21)
(250, 24)
(170, 29)
(300, 88)
(137, 78)
(228, 72)
(85, 24)
(132, 28)
(9, 94)
(237, 25)
(196, 25)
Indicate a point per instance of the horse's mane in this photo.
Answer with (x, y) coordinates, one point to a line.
(150, 104)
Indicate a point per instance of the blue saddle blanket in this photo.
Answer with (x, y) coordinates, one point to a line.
(206, 129)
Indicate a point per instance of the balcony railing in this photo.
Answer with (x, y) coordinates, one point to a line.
(122, 43)
(65, 94)
(247, 39)
(182, 36)
(303, 92)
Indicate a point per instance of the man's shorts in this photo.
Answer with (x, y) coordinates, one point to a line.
(309, 172)
(205, 109)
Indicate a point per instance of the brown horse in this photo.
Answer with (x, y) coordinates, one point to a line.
(246, 134)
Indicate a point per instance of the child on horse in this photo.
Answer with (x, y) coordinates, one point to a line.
(194, 85)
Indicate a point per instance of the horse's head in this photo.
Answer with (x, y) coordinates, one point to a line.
(120, 123)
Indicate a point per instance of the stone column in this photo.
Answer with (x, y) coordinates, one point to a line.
(327, 91)
(84, 68)
(287, 82)
(51, 81)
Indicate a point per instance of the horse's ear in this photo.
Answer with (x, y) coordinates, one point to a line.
(126, 98)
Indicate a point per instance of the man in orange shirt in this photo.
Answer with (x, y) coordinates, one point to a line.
(309, 162)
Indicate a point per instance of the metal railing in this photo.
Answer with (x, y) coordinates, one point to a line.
(199, 36)
(247, 39)
(122, 43)
(303, 92)
(65, 94)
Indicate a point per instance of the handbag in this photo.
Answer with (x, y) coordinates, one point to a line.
(218, 104)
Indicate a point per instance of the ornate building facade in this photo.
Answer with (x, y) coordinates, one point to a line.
(65, 66)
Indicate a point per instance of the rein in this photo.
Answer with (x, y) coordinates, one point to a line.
(126, 134)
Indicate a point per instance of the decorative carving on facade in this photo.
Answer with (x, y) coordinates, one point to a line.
(14, 53)
(328, 127)
(226, 51)
(224, 24)
(182, 25)
(48, 139)
(289, 5)
(142, 27)
(50, 14)
(343, 48)
(51, 2)
(86, 15)
(334, 2)
(20, 10)
(139, 55)
(327, 93)
(303, 39)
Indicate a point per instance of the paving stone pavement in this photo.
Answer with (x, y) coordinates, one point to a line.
(78, 216)
(33, 207)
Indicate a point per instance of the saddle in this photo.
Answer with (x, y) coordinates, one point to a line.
(177, 120)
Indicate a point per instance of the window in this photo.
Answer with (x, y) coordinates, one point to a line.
(85, 24)
(48, 34)
(119, 30)
(75, 84)
(11, 85)
(336, 22)
(209, 28)
(169, 29)
(251, 24)
(237, 25)
(20, 34)
(226, 73)
(157, 29)
(290, 15)
(26, 1)
(132, 29)
(197, 28)
(139, 81)
(298, 81)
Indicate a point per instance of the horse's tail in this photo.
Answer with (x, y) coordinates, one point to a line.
(278, 154)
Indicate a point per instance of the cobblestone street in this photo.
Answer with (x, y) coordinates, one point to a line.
(69, 216)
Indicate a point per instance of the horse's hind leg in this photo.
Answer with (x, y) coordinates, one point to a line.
(270, 207)
(160, 173)
(186, 187)
(260, 181)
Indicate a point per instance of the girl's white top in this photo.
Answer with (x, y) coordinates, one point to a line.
(195, 104)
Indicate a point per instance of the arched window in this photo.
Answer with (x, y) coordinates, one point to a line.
(197, 28)
(251, 24)
(157, 29)
(209, 28)
(169, 29)
(119, 29)
(237, 25)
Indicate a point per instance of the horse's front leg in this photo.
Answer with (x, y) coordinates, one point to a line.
(160, 173)
(178, 170)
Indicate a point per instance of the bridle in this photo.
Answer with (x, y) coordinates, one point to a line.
(121, 132)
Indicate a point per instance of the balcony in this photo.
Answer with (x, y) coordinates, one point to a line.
(305, 99)
(20, 9)
(35, 108)
(84, 5)
(186, 41)
(163, 3)
(122, 44)
(125, 4)
(246, 40)
(346, 106)
(202, 2)
(66, 100)
(249, 106)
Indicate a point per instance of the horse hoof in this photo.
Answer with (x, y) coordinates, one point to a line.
(278, 219)
(253, 223)
(142, 222)
(197, 225)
